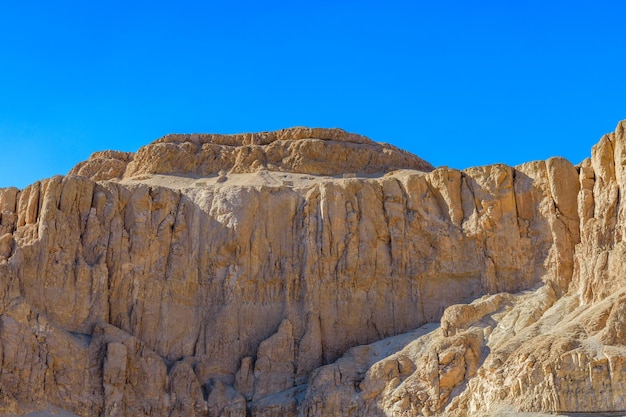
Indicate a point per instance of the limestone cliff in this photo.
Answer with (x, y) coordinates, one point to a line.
(313, 272)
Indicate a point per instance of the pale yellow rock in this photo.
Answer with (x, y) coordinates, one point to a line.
(8, 217)
(6, 241)
(301, 150)
(274, 368)
(586, 203)
(104, 165)
(462, 316)
(150, 284)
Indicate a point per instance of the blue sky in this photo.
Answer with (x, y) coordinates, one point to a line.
(459, 83)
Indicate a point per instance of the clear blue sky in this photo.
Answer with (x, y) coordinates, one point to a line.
(459, 83)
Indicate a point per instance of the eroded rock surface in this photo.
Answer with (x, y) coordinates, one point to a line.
(235, 275)
(300, 150)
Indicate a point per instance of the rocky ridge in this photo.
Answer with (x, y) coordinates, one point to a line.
(297, 150)
(312, 272)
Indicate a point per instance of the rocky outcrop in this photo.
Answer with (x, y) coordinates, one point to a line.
(104, 165)
(300, 150)
(148, 286)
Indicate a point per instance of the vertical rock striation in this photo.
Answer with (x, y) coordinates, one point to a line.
(292, 284)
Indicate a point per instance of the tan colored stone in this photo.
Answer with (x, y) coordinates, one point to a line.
(301, 150)
(224, 401)
(244, 379)
(6, 241)
(186, 396)
(104, 165)
(162, 289)
(274, 369)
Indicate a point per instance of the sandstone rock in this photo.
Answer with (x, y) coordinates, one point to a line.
(104, 165)
(128, 289)
(224, 401)
(301, 150)
(6, 241)
(8, 217)
(462, 316)
(274, 369)
(44, 365)
(285, 403)
(186, 396)
(244, 379)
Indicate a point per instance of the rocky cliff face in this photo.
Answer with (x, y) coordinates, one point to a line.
(312, 272)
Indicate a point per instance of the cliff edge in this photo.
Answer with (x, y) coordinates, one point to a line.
(313, 272)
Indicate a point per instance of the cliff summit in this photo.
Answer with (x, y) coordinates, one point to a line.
(298, 150)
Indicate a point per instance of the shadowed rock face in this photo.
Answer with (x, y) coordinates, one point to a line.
(147, 286)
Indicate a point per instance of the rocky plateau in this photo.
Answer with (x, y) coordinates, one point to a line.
(313, 272)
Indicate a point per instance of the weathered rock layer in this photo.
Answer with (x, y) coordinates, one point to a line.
(300, 150)
(142, 284)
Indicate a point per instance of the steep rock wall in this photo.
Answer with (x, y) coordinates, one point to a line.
(346, 263)
(560, 348)
(122, 298)
(600, 257)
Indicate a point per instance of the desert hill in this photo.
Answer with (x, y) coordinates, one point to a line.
(314, 272)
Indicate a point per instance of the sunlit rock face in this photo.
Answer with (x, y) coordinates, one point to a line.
(313, 272)
(294, 150)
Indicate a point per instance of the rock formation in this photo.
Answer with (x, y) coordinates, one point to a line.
(313, 272)
(296, 150)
